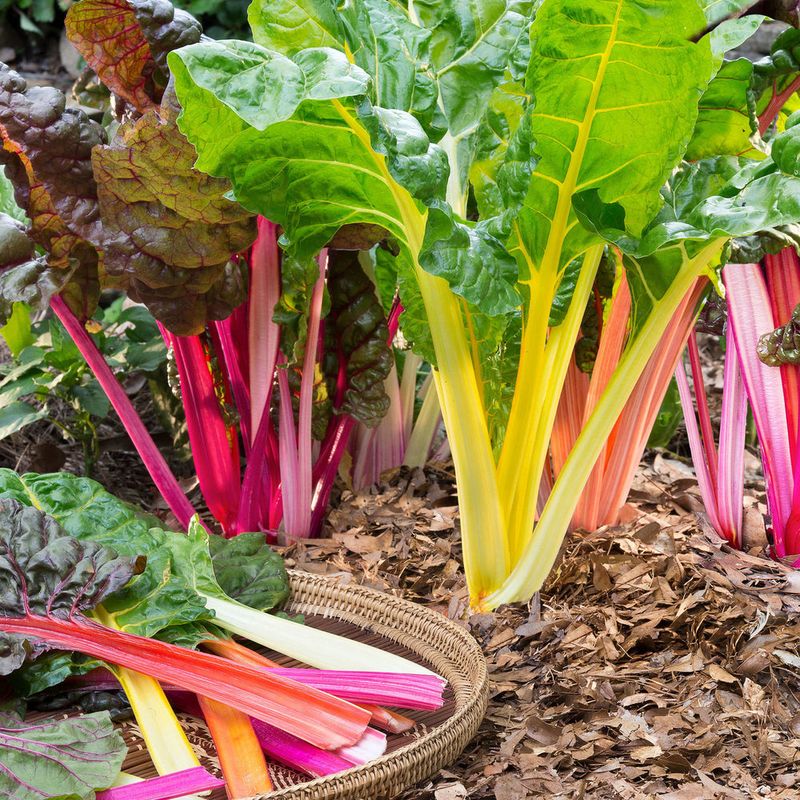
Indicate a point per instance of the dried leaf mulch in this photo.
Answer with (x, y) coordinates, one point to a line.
(656, 663)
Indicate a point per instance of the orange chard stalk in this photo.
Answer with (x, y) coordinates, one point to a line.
(239, 751)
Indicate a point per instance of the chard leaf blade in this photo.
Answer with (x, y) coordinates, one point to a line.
(59, 758)
(599, 72)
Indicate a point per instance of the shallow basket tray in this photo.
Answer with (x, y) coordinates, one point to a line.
(401, 627)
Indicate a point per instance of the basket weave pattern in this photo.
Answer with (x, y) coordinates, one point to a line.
(440, 644)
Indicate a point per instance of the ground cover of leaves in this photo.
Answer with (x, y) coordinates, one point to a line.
(656, 663)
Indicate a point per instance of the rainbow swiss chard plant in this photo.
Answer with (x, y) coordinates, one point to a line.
(132, 213)
(500, 157)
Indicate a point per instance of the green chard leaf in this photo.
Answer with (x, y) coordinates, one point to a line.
(377, 34)
(473, 42)
(726, 123)
(245, 566)
(126, 42)
(89, 749)
(249, 570)
(315, 129)
(288, 26)
(157, 598)
(717, 10)
(621, 66)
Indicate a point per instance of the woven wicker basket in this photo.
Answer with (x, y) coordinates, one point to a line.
(394, 625)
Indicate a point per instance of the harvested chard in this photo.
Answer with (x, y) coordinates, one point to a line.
(58, 757)
(370, 746)
(50, 617)
(382, 718)
(422, 691)
(297, 754)
(165, 787)
(239, 752)
(87, 510)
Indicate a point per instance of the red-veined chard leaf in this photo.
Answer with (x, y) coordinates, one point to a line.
(169, 232)
(46, 151)
(46, 572)
(66, 759)
(357, 334)
(126, 42)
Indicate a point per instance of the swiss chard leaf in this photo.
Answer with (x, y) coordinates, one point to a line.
(244, 566)
(472, 45)
(46, 151)
(249, 570)
(46, 572)
(169, 233)
(357, 333)
(63, 759)
(157, 598)
(126, 41)
(726, 122)
(288, 26)
(589, 94)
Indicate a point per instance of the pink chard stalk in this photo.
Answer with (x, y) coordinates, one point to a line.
(762, 372)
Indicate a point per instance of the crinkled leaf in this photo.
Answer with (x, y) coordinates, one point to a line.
(249, 570)
(66, 759)
(47, 156)
(395, 53)
(775, 73)
(47, 153)
(499, 373)
(155, 599)
(172, 232)
(782, 346)
(471, 259)
(503, 116)
(785, 149)
(357, 333)
(751, 249)
(126, 41)
(161, 599)
(48, 572)
(472, 45)
(377, 34)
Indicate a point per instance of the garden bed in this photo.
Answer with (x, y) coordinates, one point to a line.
(657, 662)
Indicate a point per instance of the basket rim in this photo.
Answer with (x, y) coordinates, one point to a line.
(395, 771)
